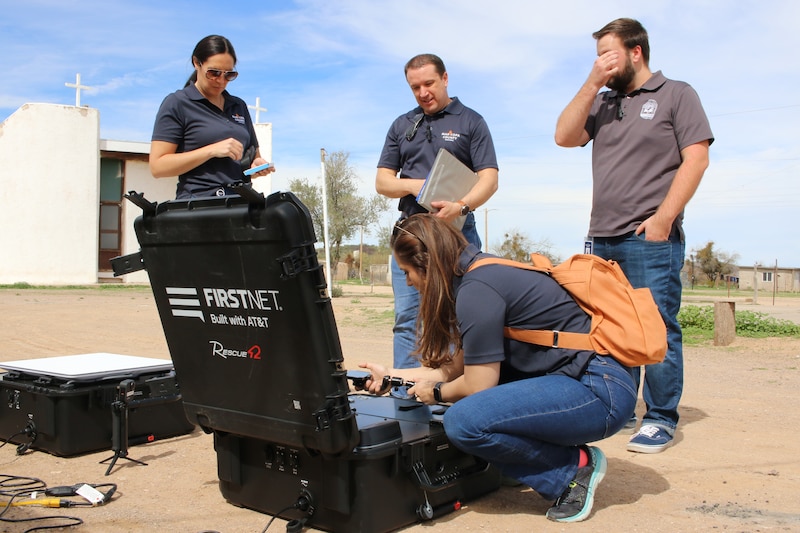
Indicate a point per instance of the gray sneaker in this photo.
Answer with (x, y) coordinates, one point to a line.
(575, 503)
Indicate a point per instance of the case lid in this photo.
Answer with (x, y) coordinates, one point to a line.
(88, 367)
(248, 320)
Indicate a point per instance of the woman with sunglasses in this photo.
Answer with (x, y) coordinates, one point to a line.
(202, 133)
(527, 409)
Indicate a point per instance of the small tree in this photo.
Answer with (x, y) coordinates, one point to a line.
(715, 265)
(346, 209)
(518, 246)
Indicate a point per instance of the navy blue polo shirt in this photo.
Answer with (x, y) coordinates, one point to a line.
(188, 119)
(456, 128)
(494, 296)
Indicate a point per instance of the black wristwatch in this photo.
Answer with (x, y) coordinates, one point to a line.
(437, 392)
(465, 209)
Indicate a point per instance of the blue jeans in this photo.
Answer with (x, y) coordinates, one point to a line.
(531, 429)
(406, 306)
(656, 265)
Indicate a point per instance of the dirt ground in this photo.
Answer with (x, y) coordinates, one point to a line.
(735, 465)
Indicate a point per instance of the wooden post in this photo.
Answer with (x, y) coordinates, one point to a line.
(724, 323)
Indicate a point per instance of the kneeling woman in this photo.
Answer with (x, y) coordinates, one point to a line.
(527, 409)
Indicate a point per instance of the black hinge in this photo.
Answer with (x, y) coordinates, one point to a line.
(298, 261)
(125, 264)
(337, 409)
(137, 198)
(246, 191)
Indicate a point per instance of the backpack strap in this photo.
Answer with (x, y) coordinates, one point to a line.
(552, 338)
(540, 337)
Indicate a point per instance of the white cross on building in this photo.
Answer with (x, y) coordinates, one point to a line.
(257, 108)
(77, 86)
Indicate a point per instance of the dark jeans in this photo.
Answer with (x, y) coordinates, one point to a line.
(656, 265)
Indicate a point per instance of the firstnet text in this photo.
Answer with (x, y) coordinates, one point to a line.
(264, 300)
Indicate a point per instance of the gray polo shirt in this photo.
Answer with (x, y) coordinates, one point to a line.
(636, 152)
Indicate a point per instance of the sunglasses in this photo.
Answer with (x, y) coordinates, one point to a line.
(398, 227)
(214, 73)
(411, 132)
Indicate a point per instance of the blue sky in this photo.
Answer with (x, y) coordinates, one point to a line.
(330, 75)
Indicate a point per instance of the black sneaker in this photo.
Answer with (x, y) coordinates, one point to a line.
(575, 503)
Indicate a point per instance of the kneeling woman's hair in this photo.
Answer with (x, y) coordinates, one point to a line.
(433, 247)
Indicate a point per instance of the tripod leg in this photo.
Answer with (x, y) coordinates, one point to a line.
(116, 456)
(111, 465)
(119, 426)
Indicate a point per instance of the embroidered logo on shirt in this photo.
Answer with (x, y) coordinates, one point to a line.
(449, 136)
(649, 109)
(239, 119)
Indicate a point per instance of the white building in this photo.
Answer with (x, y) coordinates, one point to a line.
(62, 211)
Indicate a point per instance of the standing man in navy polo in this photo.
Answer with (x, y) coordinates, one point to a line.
(650, 150)
(413, 140)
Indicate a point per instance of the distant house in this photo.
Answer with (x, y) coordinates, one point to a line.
(769, 278)
(61, 207)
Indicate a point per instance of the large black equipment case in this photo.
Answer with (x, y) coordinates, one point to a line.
(67, 417)
(251, 331)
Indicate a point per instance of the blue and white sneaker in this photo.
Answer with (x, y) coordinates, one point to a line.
(650, 439)
(575, 503)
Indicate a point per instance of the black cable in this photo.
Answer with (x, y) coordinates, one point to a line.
(289, 508)
(296, 526)
(65, 521)
(18, 487)
(66, 491)
(30, 432)
(17, 434)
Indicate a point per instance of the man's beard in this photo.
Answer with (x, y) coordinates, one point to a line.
(621, 81)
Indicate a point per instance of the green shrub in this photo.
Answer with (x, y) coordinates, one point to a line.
(752, 324)
(693, 316)
(694, 319)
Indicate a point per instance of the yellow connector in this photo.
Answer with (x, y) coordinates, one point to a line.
(43, 502)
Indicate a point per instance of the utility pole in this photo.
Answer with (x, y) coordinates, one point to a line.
(325, 223)
(775, 282)
(755, 283)
(361, 254)
(486, 228)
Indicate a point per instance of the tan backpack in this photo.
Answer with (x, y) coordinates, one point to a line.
(626, 323)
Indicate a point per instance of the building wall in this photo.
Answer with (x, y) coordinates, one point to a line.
(264, 135)
(49, 195)
(783, 279)
(139, 179)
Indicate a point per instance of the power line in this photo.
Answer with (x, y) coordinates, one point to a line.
(755, 110)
